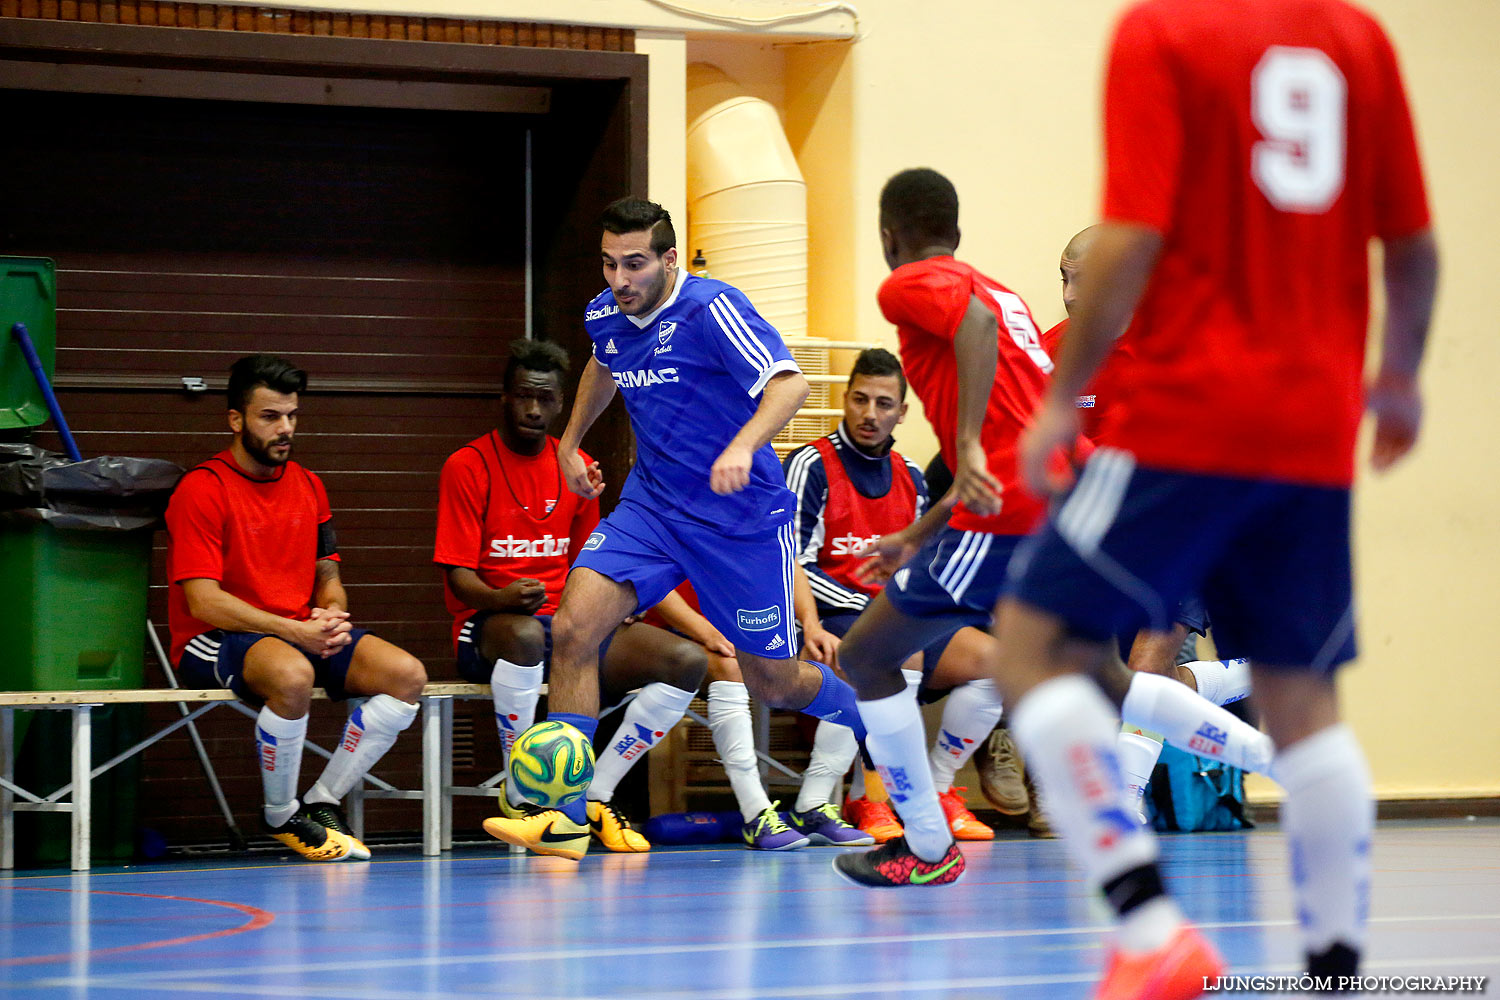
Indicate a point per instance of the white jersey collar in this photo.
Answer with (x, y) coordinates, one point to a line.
(641, 322)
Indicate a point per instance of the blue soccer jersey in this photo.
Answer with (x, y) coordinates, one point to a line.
(692, 373)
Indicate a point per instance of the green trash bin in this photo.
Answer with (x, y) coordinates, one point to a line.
(74, 570)
(28, 294)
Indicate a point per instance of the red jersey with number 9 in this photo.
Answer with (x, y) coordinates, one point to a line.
(1268, 141)
(926, 300)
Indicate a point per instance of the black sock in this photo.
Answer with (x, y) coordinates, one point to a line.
(1338, 960)
(1133, 888)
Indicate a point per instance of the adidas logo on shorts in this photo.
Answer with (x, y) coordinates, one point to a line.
(609, 348)
(775, 643)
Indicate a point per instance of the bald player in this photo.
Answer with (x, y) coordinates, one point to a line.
(1221, 682)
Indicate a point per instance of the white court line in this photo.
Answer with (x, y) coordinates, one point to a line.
(772, 944)
(845, 989)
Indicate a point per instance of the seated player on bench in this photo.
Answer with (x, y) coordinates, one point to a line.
(508, 530)
(256, 606)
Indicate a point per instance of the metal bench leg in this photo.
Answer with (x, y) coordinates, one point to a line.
(432, 776)
(83, 756)
(446, 804)
(7, 798)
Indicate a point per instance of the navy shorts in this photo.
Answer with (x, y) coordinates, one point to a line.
(473, 668)
(957, 575)
(744, 584)
(217, 659)
(1129, 543)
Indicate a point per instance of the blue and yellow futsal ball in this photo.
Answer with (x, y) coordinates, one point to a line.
(551, 764)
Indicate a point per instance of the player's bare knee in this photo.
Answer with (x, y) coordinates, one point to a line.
(683, 665)
(405, 677)
(281, 676)
(516, 639)
(776, 689)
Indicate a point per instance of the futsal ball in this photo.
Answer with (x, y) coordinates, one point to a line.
(551, 764)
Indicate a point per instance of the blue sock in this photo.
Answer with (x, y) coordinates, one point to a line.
(835, 702)
(577, 810)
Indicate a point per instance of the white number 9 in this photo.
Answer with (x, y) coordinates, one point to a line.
(1298, 99)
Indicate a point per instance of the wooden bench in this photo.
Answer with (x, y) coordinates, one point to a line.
(436, 793)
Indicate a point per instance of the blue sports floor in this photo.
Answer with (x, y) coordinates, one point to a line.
(700, 923)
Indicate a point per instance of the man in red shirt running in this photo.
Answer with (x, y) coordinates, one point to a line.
(256, 605)
(1253, 150)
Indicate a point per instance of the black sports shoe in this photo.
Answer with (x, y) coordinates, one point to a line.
(331, 815)
(313, 840)
(893, 863)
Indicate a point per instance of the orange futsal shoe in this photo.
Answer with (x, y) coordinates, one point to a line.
(1179, 970)
(875, 818)
(964, 824)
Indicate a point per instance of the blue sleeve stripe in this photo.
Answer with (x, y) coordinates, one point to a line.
(739, 334)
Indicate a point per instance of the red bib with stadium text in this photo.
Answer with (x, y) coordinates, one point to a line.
(852, 522)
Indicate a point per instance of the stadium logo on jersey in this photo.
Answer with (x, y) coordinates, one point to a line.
(1208, 740)
(634, 744)
(595, 540)
(642, 378)
(852, 545)
(600, 313)
(759, 621)
(511, 547)
(1087, 402)
(610, 348)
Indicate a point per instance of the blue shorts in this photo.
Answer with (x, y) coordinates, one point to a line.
(1129, 543)
(957, 575)
(217, 659)
(472, 666)
(744, 583)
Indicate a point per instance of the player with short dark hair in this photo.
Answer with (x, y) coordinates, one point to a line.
(707, 383)
(978, 388)
(852, 488)
(256, 605)
(1253, 151)
(508, 528)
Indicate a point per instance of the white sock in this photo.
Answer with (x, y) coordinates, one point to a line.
(913, 680)
(734, 738)
(834, 749)
(515, 689)
(1191, 722)
(278, 744)
(1328, 817)
(969, 715)
(371, 731)
(1067, 730)
(1222, 682)
(656, 708)
(1138, 755)
(898, 745)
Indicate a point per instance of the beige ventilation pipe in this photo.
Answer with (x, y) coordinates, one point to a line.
(747, 209)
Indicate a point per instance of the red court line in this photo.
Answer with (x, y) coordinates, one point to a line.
(258, 918)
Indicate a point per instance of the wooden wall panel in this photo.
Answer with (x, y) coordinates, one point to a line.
(236, 17)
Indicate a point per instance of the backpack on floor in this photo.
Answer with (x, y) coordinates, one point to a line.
(1195, 793)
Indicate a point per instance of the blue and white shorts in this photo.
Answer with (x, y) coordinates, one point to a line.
(744, 584)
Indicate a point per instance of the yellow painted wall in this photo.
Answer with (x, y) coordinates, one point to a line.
(1004, 99)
